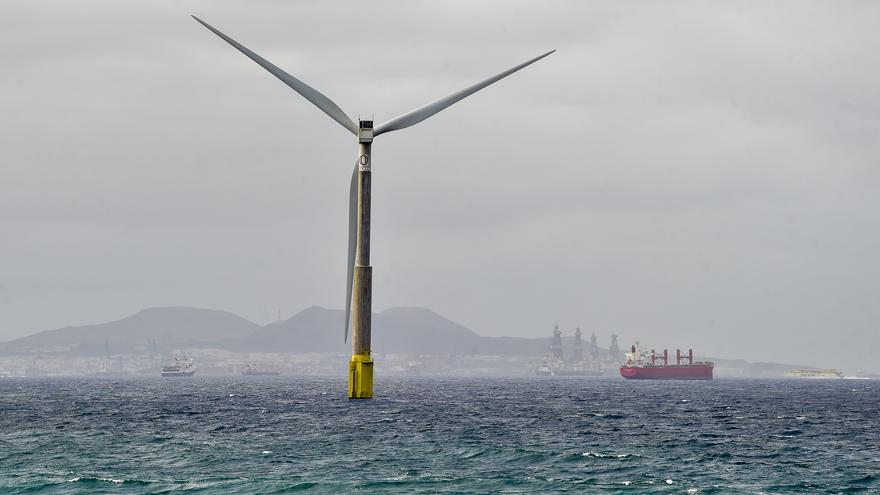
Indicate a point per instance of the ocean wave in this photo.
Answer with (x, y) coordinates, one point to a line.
(599, 455)
(105, 479)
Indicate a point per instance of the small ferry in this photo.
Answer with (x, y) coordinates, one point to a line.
(182, 366)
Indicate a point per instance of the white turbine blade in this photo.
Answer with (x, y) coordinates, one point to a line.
(319, 100)
(422, 113)
(352, 245)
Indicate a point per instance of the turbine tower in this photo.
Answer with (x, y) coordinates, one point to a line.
(358, 298)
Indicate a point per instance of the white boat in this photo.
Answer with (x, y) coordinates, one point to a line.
(181, 367)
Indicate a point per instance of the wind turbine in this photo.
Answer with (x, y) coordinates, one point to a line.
(360, 273)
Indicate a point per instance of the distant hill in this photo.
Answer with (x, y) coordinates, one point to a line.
(405, 330)
(396, 330)
(315, 329)
(173, 326)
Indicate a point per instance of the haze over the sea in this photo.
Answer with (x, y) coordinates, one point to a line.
(688, 174)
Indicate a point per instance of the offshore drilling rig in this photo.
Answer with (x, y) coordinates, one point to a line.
(593, 362)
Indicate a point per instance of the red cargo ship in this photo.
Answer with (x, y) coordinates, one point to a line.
(651, 366)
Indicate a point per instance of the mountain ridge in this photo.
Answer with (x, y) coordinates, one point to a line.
(403, 330)
(315, 329)
(168, 326)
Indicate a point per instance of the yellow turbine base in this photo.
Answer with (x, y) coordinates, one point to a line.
(360, 376)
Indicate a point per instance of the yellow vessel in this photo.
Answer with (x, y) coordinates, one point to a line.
(814, 373)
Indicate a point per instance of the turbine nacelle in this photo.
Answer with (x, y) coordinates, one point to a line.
(365, 131)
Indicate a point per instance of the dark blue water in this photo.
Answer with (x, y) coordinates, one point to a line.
(281, 435)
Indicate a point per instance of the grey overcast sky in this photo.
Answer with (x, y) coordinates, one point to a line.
(686, 174)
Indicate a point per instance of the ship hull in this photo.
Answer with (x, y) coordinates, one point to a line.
(178, 373)
(686, 372)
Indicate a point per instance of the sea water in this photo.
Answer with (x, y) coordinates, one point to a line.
(438, 435)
